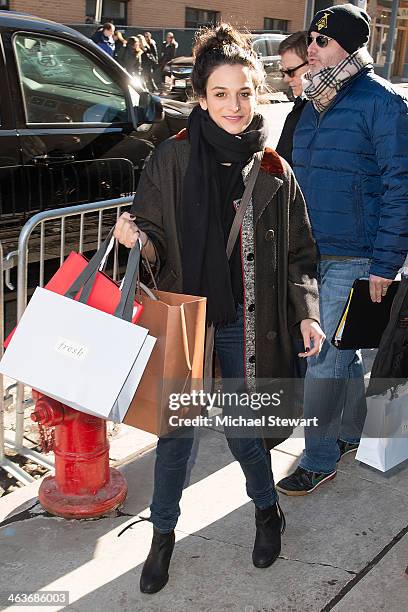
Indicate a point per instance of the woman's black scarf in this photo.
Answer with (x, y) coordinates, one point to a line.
(206, 219)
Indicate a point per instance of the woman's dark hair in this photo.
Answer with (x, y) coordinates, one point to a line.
(223, 44)
(296, 42)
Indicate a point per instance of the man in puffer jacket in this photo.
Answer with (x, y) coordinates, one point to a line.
(103, 37)
(351, 160)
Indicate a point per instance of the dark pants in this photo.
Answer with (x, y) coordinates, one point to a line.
(173, 451)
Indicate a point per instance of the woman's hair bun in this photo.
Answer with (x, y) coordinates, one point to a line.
(216, 38)
(227, 35)
(222, 44)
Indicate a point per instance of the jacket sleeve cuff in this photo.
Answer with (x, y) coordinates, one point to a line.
(383, 271)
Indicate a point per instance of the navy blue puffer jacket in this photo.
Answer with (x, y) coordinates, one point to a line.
(351, 162)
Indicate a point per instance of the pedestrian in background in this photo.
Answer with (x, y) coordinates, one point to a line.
(142, 40)
(169, 50)
(294, 64)
(151, 63)
(120, 45)
(350, 157)
(131, 58)
(103, 37)
(183, 212)
(151, 43)
(148, 62)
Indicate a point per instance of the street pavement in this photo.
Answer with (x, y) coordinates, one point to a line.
(275, 114)
(345, 546)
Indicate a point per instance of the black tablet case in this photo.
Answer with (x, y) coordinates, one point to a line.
(365, 321)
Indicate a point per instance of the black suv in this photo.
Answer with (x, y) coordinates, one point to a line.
(74, 126)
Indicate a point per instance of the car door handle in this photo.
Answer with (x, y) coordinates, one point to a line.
(53, 159)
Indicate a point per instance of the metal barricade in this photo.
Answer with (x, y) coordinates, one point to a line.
(6, 464)
(87, 236)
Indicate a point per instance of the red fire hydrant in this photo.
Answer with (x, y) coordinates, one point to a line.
(84, 486)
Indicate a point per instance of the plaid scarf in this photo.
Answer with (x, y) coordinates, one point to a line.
(326, 83)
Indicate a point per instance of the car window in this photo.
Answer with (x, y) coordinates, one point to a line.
(62, 84)
(273, 46)
(260, 47)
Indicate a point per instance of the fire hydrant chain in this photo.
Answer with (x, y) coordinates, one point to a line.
(47, 437)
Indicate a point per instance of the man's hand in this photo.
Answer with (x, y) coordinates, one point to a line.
(312, 335)
(378, 287)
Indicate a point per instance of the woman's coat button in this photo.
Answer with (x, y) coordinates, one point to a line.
(271, 335)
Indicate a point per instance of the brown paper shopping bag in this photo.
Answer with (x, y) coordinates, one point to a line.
(176, 363)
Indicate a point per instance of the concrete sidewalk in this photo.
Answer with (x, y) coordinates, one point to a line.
(345, 547)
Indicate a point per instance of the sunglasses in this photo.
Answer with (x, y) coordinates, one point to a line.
(290, 72)
(321, 40)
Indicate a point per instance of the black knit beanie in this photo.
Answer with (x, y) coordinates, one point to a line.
(346, 23)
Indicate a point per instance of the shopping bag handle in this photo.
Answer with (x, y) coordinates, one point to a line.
(86, 279)
(89, 272)
(124, 309)
(148, 292)
(87, 288)
(185, 337)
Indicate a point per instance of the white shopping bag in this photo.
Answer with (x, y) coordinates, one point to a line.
(85, 358)
(384, 443)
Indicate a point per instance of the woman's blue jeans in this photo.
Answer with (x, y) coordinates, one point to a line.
(173, 451)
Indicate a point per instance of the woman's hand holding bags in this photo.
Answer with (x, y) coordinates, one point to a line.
(127, 232)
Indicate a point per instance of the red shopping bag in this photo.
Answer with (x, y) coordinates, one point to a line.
(105, 293)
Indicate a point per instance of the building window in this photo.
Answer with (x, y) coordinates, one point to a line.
(196, 18)
(4, 5)
(276, 24)
(112, 10)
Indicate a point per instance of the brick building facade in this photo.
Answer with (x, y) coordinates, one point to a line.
(260, 14)
(57, 10)
(284, 15)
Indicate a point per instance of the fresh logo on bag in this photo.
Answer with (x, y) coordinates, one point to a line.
(322, 23)
(71, 349)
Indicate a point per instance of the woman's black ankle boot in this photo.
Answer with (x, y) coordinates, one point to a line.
(270, 524)
(155, 572)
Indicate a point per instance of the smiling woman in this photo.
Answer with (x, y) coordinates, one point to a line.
(185, 215)
(231, 98)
